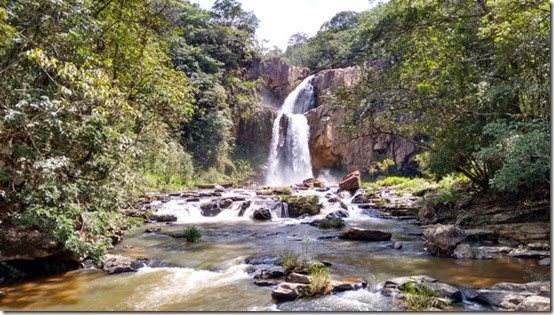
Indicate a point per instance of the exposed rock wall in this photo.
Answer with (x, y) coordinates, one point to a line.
(278, 79)
(333, 143)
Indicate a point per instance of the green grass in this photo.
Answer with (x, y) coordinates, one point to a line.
(192, 234)
(290, 260)
(321, 279)
(419, 297)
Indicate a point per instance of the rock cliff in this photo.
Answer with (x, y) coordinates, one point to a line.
(335, 144)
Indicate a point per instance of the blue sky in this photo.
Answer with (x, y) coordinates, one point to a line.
(280, 19)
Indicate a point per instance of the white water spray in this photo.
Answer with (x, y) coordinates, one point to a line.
(289, 157)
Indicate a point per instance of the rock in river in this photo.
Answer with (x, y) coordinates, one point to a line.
(443, 239)
(365, 235)
(262, 214)
(288, 291)
(113, 264)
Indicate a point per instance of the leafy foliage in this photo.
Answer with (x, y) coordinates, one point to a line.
(192, 234)
(320, 279)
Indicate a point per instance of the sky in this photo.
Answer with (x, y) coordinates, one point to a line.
(283, 18)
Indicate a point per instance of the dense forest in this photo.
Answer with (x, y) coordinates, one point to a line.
(104, 99)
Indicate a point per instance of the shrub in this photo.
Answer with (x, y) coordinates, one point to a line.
(193, 234)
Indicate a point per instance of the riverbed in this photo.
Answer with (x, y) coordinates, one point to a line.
(212, 275)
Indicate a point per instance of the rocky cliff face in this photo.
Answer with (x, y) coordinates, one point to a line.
(278, 79)
(333, 143)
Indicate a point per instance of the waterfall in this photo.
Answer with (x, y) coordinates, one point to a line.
(289, 157)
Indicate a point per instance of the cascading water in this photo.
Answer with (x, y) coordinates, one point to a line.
(289, 158)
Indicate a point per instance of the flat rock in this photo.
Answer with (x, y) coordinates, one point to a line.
(534, 304)
(298, 278)
(524, 253)
(267, 282)
(479, 235)
(286, 291)
(508, 296)
(164, 218)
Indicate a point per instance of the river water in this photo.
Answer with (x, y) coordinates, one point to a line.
(212, 275)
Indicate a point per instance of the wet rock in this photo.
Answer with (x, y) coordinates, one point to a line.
(210, 209)
(365, 235)
(544, 262)
(163, 218)
(237, 198)
(269, 274)
(442, 239)
(360, 198)
(313, 182)
(524, 253)
(523, 233)
(447, 291)
(219, 188)
(333, 199)
(225, 203)
(262, 214)
(113, 264)
(338, 214)
(192, 200)
(348, 284)
(343, 205)
(508, 296)
(397, 245)
(463, 251)
(480, 235)
(245, 205)
(288, 291)
(365, 206)
(298, 278)
(324, 189)
(344, 194)
(327, 237)
(351, 181)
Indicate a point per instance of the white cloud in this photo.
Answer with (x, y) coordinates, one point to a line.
(281, 19)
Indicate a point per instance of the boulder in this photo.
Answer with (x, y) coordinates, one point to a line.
(539, 246)
(427, 214)
(508, 296)
(210, 209)
(288, 291)
(262, 214)
(225, 203)
(113, 264)
(298, 278)
(300, 205)
(267, 282)
(338, 214)
(163, 218)
(365, 235)
(313, 182)
(269, 274)
(397, 245)
(245, 205)
(442, 239)
(351, 181)
(463, 251)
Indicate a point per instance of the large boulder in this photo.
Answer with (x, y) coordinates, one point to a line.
(443, 239)
(365, 235)
(463, 251)
(351, 181)
(113, 264)
(210, 209)
(301, 205)
(313, 182)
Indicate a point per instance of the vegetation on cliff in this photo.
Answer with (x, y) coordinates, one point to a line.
(466, 80)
